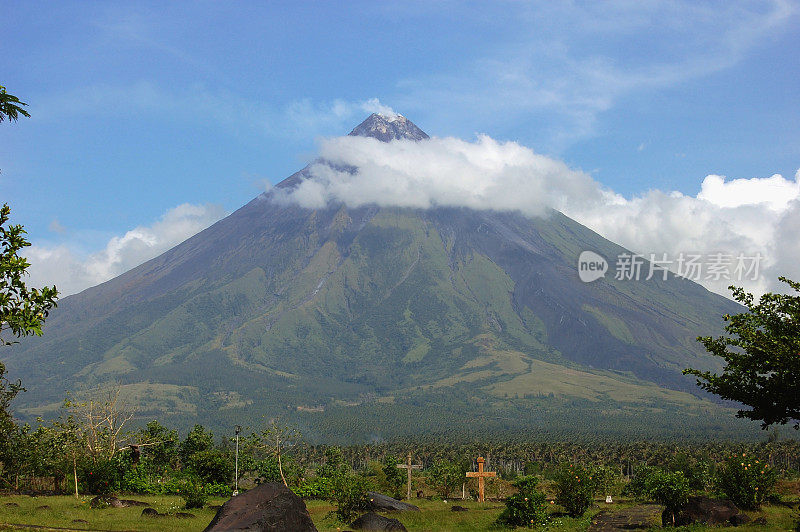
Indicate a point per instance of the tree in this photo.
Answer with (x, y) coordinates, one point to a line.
(276, 437)
(762, 368)
(446, 476)
(10, 106)
(22, 309)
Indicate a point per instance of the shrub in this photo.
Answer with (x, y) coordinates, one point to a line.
(574, 490)
(637, 487)
(349, 494)
(136, 480)
(669, 489)
(217, 489)
(446, 476)
(746, 481)
(99, 476)
(605, 480)
(193, 495)
(527, 507)
(317, 488)
(211, 465)
(395, 477)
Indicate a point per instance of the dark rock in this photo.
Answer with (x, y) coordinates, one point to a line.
(104, 501)
(127, 503)
(43, 507)
(151, 512)
(268, 507)
(373, 521)
(11, 505)
(380, 502)
(739, 519)
(760, 521)
(80, 521)
(458, 508)
(644, 516)
(185, 515)
(702, 510)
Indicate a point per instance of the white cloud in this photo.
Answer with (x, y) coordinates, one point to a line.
(72, 271)
(735, 217)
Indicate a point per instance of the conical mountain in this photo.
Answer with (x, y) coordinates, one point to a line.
(375, 322)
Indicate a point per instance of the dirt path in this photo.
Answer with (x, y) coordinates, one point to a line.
(643, 516)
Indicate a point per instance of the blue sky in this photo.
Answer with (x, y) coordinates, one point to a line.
(140, 107)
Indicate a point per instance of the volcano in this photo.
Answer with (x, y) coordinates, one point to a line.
(380, 322)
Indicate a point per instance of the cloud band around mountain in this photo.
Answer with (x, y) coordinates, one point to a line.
(740, 216)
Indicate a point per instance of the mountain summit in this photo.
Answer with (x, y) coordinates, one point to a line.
(374, 322)
(388, 127)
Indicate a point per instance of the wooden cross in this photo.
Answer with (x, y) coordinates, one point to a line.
(481, 474)
(407, 466)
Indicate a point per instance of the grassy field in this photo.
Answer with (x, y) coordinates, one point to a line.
(65, 512)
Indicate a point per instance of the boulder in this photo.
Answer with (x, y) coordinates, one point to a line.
(104, 501)
(269, 507)
(704, 510)
(383, 503)
(127, 503)
(151, 512)
(739, 519)
(458, 508)
(373, 521)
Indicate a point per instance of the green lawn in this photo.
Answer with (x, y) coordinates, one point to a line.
(62, 511)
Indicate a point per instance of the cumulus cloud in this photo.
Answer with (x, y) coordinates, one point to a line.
(72, 271)
(738, 218)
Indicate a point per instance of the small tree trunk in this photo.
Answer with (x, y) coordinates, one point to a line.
(280, 466)
(75, 475)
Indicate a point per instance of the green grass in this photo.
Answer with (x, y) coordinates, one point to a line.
(64, 509)
(435, 515)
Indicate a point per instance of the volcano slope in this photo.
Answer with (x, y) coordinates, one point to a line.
(379, 322)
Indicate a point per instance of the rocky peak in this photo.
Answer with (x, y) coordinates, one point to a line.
(388, 127)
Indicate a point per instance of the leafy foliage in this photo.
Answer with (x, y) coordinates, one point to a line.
(446, 476)
(10, 106)
(193, 494)
(670, 489)
(746, 480)
(394, 476)
(527, 507)
(22, 309)
(574, 490)
(762, 369)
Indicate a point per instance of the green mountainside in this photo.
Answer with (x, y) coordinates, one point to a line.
(374, 322)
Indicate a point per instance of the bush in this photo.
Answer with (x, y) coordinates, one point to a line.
(395, 478)
(99, 476)
(605, 480)
(574, 490)
(637, 487)
(349, 494)
(527, 507)
(193, 495)
(746, 481)
(669, 489)
(446, 476)
(211, 465)
(217, 490)
(318, 488)
(136, 480)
